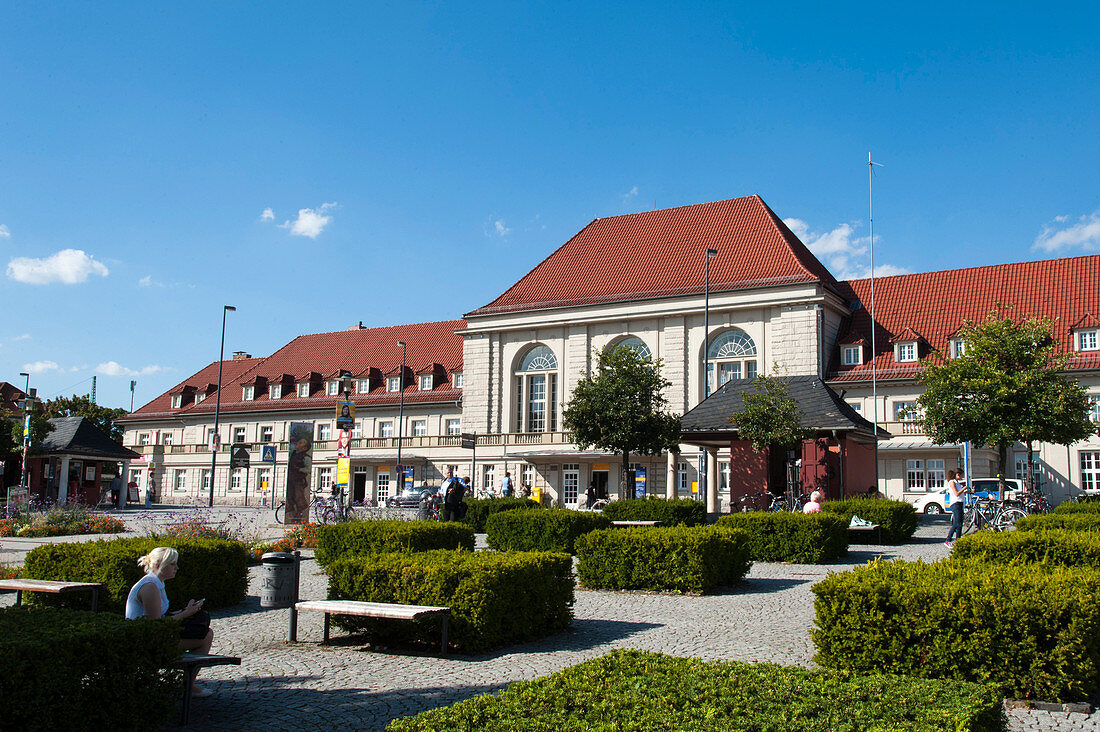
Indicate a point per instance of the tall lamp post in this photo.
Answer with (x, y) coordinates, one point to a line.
(401, 419)
(27, 403)
(216, 440)
(703, 472)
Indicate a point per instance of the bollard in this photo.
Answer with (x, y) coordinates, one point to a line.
(293, 635)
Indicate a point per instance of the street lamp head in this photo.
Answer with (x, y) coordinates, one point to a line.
(712, 252)
(401, 343)
(230, 308)
(23, 373)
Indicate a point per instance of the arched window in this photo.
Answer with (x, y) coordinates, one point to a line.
(734, 355)
(536, 390)
(635, 344)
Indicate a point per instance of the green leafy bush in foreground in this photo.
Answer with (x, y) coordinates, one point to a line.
(479, 509)
(670, 512)
(1070, 507)
(350, 538)
(1069, 521)
(679, 558)
(1052, 546)
(791, 537)
(549, 530)
(1032, 631)
(638, 691)
(897, 519)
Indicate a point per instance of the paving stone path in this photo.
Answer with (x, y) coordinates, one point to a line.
(305, 686)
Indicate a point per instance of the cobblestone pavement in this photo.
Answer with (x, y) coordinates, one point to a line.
(305, 686)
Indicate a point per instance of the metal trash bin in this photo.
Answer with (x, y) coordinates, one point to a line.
(279, 580)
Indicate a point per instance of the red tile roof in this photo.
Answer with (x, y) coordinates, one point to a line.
(935, 304)
(661, 254)
(365, 350)
(10, 394)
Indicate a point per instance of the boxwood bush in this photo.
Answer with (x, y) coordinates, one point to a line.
(1068, 521)
(897, 519)
(680, 558)
(479, 509)
(208, 568)
(366, 537)
(1034, 634)
(635, 690)
(550, 530)
(1066, 507)
(791, 537)
(1053, 546)
(669, 512)
(77, 670)
(495, 599)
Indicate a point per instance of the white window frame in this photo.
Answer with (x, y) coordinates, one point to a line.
(393, 384)
(145, 438)
(332, 388)
(905, 352)
(357, 431)
(267, 433)
(732, 355)
(238, 435)
(454, 426)
(489, 477)
(1088, 340)
(457, 379)
(536, 391)
(852, 355)
(1094, 407)
(935, 474)
(914, 476)
(275, 391)
(236, 479)
(324, 432)
(527, 474)
(858, 406)
(570, 484)
(166, 438)
(420, 428)
(248, 393)
(303, 389)
(362, 386)
(263, 474)
(683, 484)
(958, 348)
(200, 396)
(179, 480)
(382, 484)
(1089, 465)
(324, 479)
(1019, 464)
(385, 428)
(177, 401)
(204, 478)
(901, 405)
(426, 382)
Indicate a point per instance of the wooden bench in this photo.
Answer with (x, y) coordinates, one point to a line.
(385, 610)
(191, 663)
(635, 523)
(19, 586)
(873, 529)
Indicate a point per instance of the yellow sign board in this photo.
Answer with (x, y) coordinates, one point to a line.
(343, 471)
(694, 486)
(601, 466)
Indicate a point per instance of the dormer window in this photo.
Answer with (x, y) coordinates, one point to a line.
(906, 352)
(393, 383)
(275, 391)
(852, 355)
(457, 378)
(1088, 340)
(333, 387)
(199, 396)
(249, 393)
(425, 382)
(363, 386)
(177, 401)
(303, 388)
(958, 348)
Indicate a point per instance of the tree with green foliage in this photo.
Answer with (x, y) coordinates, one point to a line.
(1008, 387)
(770, 417)
(82, 406)
(621, 407)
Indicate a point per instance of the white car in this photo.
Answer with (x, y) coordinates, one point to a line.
(934, 503)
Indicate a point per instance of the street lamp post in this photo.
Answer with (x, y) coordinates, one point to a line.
(28, 404)
(218, 406)
(706, 348)
(401, 418)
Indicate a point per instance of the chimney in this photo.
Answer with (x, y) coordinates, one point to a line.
(357, 327)
(240, 355)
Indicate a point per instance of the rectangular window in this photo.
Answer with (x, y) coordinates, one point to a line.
(275, 391)
(385, 429)
(1090, 470)
(333, 388)
(166, 438)
(393, 383)
(238, 434)
(536, 403)
(907, 352)
(1094, 407)
(453, 427)
(135, 477)
(529, 476)
(750, 369)
(723, 477)
(519, 404)
(303, 389)
(1020, 464)
(458, 379)
(1087, 340)
(937, 478)
(958, 348)
(177, 401)
(263, 479)
(324, 478)
(425, 382)
(858, 406)
(553, 402)
(179, 480)
(570, 483)
(728, 372)
(324, 432)
(199, 396)
(914, 475)
(249, 393)
(853, 355)
(206, 479)
(363, 386)
(682, 485)
(143, 438)
(905, 411)
(420, 427)
(382, 484)
(236, 479)
(267, 434)
(357, 431)
(489, 473)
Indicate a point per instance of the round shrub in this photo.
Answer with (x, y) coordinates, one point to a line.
(791, 537)
(550, 530)
(670, 512)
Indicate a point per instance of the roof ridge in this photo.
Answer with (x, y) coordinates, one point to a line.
(685, 205)
(798, 247)
(377, 328)
(1001, 265)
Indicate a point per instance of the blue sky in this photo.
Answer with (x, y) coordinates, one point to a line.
(418, 158)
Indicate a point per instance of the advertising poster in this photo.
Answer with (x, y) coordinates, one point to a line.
(299, 466)
(345, 415)
(639, 482)
(343, 473)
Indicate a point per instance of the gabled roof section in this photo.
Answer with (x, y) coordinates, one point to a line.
(78, 435)
(10, 394)
(907, 336)
(1088, 320)
(936, 304)
(661, 254)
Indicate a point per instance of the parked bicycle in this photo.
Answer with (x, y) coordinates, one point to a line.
(990, 514)
(325, 508)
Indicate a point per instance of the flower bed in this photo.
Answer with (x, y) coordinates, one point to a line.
(61, 519)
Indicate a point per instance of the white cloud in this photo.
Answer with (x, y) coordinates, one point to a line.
(632, 193)
(4, 233)
(310, 222)
(846, 255)
(69, 266)
(41, 367)
(267, 215)
(22, 337)
(114, 368)
(1085, 234)
(145, 281)
(500, 228)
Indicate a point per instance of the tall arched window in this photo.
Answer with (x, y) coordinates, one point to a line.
(636, 344)
(734, 355)
(536, 389)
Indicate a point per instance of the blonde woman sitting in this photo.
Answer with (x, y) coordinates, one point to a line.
(147, 599)
(814, 504)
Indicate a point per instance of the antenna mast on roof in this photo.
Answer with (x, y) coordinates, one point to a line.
(874, 352)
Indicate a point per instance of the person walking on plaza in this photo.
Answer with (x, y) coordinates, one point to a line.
(451, 488)
(590, 495)
(955, 502)
(506, 485)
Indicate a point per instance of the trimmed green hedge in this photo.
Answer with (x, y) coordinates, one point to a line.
(674, 512)
(635, 690)
(810, 538)
(208, 568)
(1053, 546)
(897, 519)
(479, 509)
(350, 538)
(550, 530)
(1069, 507)
(679, 558)
(495, 599)
(1034, 634)
(1068, 521)
(76, 670)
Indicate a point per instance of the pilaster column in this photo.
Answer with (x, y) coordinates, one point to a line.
(670, 476)
(712, 480)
